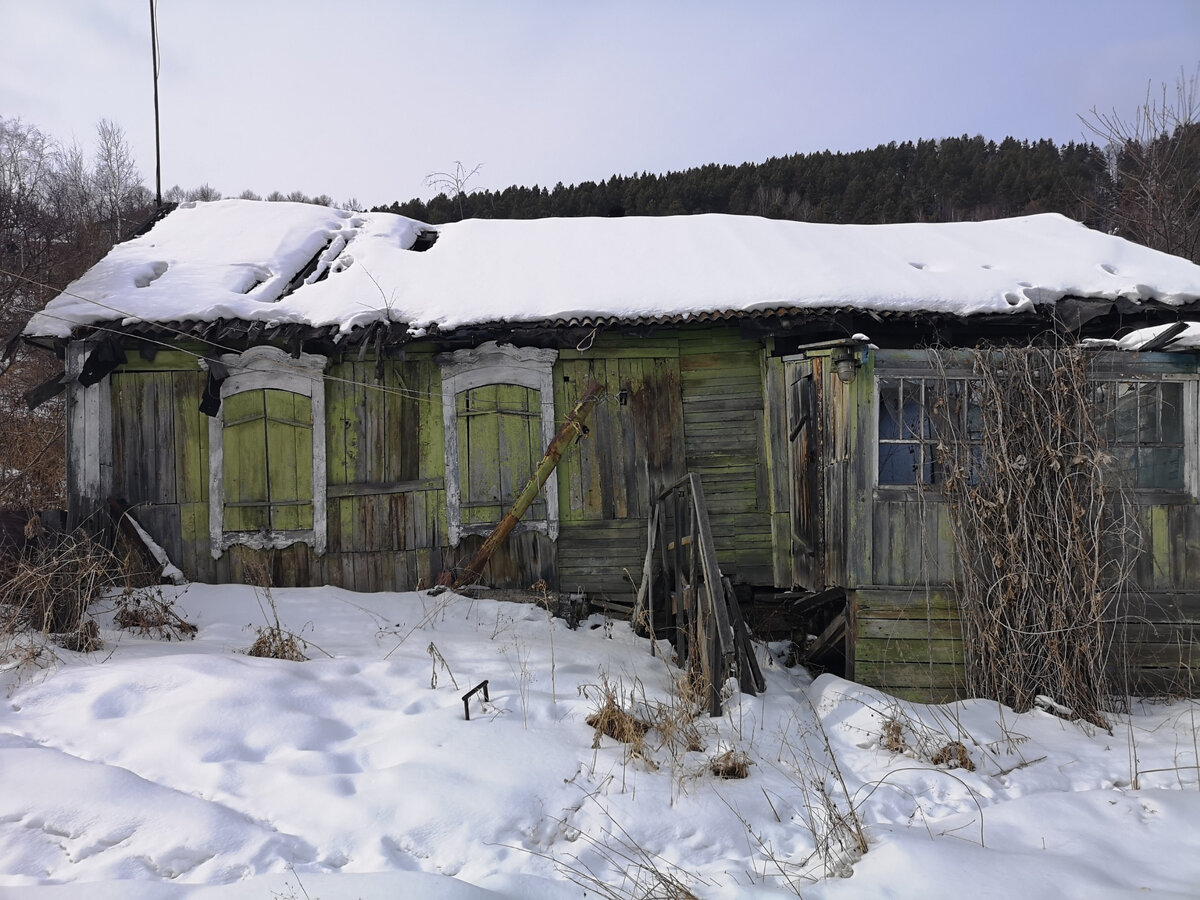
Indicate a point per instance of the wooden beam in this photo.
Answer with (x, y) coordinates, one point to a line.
(364, 489)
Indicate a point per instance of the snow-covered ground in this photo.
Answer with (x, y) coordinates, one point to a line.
(189, 769)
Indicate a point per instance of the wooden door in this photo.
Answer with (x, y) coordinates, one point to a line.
(807, 457)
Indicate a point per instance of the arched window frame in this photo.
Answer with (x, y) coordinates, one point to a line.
(268, 368)
(492, 363)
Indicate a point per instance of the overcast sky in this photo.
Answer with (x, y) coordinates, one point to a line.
(364, 98)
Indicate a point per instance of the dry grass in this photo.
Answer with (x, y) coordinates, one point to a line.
(612, 719)
(953, 755)
(52, 586)
(85, 639)
(275, 643)
(627, 715)
(891, 736)
(32, 454)
(942, 743)
(632, 870)
(730, 764)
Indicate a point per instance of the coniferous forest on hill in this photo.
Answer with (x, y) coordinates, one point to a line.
(951, 179)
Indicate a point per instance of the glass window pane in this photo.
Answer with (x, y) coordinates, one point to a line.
(975, 464)
(974, 412)
(911, 413)
(1171, 412)
(1147, 413)
(1160, 468)
(1123, 465)
(937, 406)
(1102, 408)
(889, 410)
(898, 463)
(1125, 412)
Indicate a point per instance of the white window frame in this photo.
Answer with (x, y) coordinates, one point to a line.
(493, 363)
(268, 368)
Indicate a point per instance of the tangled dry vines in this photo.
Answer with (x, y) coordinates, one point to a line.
(1046, 530)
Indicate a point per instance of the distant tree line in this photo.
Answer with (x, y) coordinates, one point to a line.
(207, 192)
(927, 181)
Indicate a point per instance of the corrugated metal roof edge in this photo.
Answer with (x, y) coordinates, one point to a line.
(203, 328)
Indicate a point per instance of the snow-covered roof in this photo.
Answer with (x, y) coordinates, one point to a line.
(234, 259)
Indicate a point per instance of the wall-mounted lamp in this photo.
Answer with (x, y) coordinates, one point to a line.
(845, 364)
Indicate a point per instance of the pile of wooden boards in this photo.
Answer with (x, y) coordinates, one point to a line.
(684, 597)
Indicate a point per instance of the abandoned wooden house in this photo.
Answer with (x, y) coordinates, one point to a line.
(361, 396)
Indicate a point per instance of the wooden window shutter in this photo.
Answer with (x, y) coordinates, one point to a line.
(268, 461)
(499, 428)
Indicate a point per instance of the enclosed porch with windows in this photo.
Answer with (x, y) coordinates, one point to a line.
(918, 458)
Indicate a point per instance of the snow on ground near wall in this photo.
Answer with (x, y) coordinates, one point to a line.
(189, 770)
(233, 259)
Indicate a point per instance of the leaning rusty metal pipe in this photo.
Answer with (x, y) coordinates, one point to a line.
(573, 428)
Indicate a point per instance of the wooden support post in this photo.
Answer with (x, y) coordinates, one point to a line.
(572, 428)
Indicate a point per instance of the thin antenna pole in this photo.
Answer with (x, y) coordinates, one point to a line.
(157, 145)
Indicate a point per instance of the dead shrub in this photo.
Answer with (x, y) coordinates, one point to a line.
(272, 640)
(676, 719)
(152, 614)
(275, 643)
(730, 764)
(23, 653)
(1044, 521)
(53, 585)
(85, 639)
(628, 716)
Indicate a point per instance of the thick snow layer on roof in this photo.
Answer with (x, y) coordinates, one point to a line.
(234, 259)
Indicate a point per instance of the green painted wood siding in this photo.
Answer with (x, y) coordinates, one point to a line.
(634, 447)
(160, 454)
(385, 462)
(908, 642)
(725, 444)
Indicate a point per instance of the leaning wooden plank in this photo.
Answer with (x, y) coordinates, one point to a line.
(749, 672)
(712, 571)
(572, 428)
(714, 634)
(833, 640)
(644, 598)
